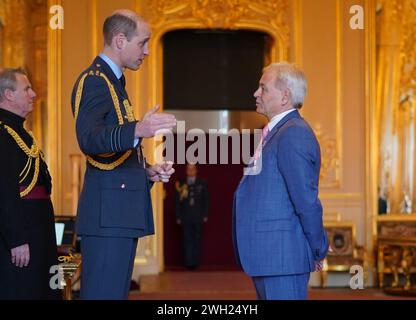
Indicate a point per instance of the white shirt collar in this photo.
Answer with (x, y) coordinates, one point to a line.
(277, 118)
(115, 68)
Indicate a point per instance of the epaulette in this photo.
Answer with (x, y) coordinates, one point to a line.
(78, 95)
(32, 152)
(92, 71)
(95, 71)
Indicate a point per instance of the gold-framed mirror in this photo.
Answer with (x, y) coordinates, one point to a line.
(23, 39)
(395, 105)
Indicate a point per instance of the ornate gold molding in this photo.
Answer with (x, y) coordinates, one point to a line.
(94, 28)
(2, 21)
(396, 99)
(352, 197)
(408, 49)
(405, 110)
(297, 31)
(371, 123)
(330, 161)
(219, 13)
(268, 16)
(331, 175)
(14, 12)
(265, 15)
(54, 147)
(337, 180)
(2, 12)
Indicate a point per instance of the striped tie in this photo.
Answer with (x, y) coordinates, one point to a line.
(265, 133)
(262, 141)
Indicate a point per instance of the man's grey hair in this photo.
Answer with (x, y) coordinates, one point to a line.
(289, 76)
(8, 79)
(120, 23)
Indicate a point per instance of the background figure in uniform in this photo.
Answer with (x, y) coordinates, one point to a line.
(115, 207)
(192, 206)
(382, 203)
(27, 230)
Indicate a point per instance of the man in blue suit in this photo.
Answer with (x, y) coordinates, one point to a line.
(115, 207)
(278, 232)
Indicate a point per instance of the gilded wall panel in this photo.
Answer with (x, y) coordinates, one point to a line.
(330, 160)
(23, 42)
(167, 15)
(320, 56)
(266, 16)
(396, 83)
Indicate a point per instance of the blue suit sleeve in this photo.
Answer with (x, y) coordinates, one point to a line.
(299, 162)
(94, 135)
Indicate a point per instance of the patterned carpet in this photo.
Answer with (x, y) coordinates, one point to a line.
(231, 285)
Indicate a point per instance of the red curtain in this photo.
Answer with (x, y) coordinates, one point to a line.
(217, 247)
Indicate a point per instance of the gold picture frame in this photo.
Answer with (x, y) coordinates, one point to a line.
(341, 237)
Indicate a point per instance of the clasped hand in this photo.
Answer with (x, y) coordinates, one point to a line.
(319, 265)
(160, 172)
(20, 255)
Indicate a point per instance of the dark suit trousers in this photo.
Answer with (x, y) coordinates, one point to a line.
(192, 242)
(286, 287)
(107, 266)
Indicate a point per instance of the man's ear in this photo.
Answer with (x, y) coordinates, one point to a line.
(120, 40)
(9, 94)
(286, 98)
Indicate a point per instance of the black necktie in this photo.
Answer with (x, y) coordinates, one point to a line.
(123, 81)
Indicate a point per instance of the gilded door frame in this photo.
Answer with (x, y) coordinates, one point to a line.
(371, 137)
(54, 147)
(153, 73)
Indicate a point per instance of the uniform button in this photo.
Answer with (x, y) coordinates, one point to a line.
(123, 186)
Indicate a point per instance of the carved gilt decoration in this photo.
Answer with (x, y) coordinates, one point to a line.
(222, 14)
(2, 21)
(408, 50)
(2, 13)
(396, 84)
(267, 16)
(15, 22)
(330, 164)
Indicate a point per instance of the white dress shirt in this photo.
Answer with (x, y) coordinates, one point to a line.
(277, 118)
